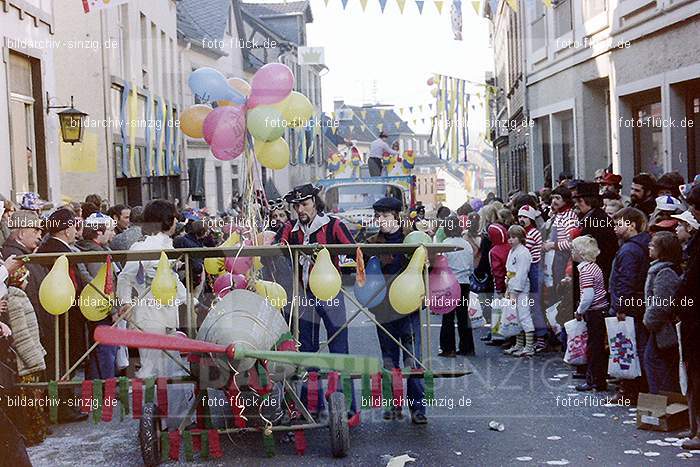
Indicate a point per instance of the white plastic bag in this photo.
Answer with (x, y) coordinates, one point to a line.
(682, 374)
(548, 263)
(122, 352)
(624, 357)
(551, 316)
(509, 325)
(576, 342)
(476, 314)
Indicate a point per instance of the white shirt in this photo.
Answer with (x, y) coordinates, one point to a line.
(378, 146)
(461, 262)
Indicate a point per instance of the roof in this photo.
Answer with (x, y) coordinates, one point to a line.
(364, 125)
(197, 20)
(275, 10)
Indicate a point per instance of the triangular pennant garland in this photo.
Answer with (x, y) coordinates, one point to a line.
(364, 4)
(401, 4)
(419, 4)
(438, 5)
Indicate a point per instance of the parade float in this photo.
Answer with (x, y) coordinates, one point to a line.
(247, 345)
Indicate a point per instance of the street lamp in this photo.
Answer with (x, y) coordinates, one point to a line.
(71, 121)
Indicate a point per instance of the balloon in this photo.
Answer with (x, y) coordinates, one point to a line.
(215, 266)
(95, 305)
(192, 120)
(239, 265)
(271, 83)
(297, 109)
(239, 85)
(225, 103)
(417, 237)
(445, 292)
(274, 294)
(373, 292)
(57, 292)
(440, 235)
(324, 279)
(164, 285)
(266, 237)
(265, 123)
(431, 81)
(224, 130)
(226, 282)
(257, 263)
(408, 289)
(273, 155)
(434, 92)
(209, 85)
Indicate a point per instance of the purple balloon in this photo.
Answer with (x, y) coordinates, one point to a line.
(226, 282)
(239, 265)
(224, 131)
(270, 84)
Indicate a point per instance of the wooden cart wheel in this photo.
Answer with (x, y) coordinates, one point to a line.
(338, 424)
(149, 435)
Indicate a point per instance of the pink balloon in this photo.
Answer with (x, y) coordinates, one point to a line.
(445, 293)
(227, 282)
(268, 237)
(270, 84)
(224, 131)
(239, 265)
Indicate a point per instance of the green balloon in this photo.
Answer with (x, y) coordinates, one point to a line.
(265, 123)
(440, 235)
(417, 238)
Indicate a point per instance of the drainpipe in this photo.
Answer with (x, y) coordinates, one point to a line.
(107, 105)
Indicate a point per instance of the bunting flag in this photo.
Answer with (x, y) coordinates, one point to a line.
(420, 108)
(334, 129)
(410, 109)
(347, 389)
(351, 127)
(401, 110)
(109, 399)
(123, 127)
(382, 4)
(149, 136)
(438, 5)
(188, 447)
(123, 396)
(477, 6)
(419, 4)
(363, 3)
(547, 3)
(397, 125)
(300, 442)
(364, 114)
(401, 4)
(430, 106)
(325, 2)
(312, 392)
(137, 398)
(133, 122)
(86, 396)
(429, 383)
(380, 126)
(344, 2)
(513, 4)
(97, 394)
(363, 127)
(376, 388)
(366, 392)
(162, 385)
(174, 441)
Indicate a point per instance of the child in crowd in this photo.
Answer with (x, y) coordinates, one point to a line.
(592, 307)
(685, 230)
(527, 216)
(517, 288)
(498, 254)
(661, 353)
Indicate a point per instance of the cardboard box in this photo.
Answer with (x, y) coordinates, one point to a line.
(667, 411)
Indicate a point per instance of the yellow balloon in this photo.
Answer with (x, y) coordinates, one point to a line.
(225, 103)
(274, 294)
(434, 92)
(95, 305)
(324, 279)
(192, 120)
(57, 292)
(164, 285)
(215, 266)
(257, 263)
(297, 109)
(239, 85)
(408, 289)
(273, 155)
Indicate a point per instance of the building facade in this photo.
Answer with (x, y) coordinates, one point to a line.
(29, 136)
(613, 83)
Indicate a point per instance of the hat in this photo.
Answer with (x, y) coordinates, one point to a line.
(31, 201)
(688, 218)
(97, 219)
(387, 204)
(382, 134)
(668, 203)
(668, 225)
(60, 220)
(588, 189)
(611, 179)
(301, 193)
(529, 212)
(277, 203)
(24, 219)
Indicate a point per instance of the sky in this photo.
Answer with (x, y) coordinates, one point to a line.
(388, 58)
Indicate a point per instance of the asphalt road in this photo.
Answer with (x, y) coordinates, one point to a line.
(546, 423)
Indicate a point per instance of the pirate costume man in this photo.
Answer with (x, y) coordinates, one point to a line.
(314, 226)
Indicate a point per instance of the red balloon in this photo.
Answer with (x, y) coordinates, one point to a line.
(227, 282)
(445, 292)
(431, 81)
(239, 265)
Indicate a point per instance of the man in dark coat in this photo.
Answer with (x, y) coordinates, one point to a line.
(643, 193)
(688, 306)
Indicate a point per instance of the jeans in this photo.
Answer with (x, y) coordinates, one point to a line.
(375, 166)
(332, 312)
(661, 367)
(407, 331)
(447, 330)
(103, 362)
(596, 355)
(535, 277)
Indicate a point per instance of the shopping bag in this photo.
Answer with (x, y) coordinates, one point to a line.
(682, 374)
(509, 324)
(476, 314)
(548, 273)
(551, 317)
(495, 318)
(576, 342)
(624, 357)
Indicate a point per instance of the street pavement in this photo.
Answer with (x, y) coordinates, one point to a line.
(546, 423)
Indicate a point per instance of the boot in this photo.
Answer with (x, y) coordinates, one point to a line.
(529, 348)
(540, 344)
(519, 344)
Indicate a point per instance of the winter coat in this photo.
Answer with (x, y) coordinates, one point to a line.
(629, 271)
(660, 289)
(498, 255)
(518, 267)
(688, 306)
(392, 266)
(124, 240)
(36, 271)
(25, 333)
(647, 206)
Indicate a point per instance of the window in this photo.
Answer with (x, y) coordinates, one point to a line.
(537, 26)
(546, 150)
(568, 149)
(592, 8)
(219, 189)
(647, 139)
(563, 18)
(235, 187)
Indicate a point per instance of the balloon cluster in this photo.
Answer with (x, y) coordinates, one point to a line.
(264, 108)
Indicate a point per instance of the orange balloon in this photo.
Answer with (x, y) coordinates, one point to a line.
(225, 103)
(192, 120)
(239, 85)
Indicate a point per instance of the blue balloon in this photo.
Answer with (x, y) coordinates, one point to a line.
(373, 292)
(209, 85)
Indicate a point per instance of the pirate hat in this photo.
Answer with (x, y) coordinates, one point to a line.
(301, 193)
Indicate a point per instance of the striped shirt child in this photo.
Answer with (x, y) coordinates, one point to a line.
(591, 277)
(566, 224)
(533, 242)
